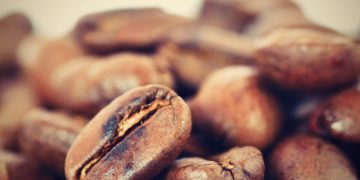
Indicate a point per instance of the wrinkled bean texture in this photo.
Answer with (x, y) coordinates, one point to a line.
(135, 137)
(244, 163)
(309, 157)
(46, 136)
(292, 56)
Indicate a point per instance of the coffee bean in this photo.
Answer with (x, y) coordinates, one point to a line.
(233, 108)
(292, 56)
(195, 50)
(237, 163)
(308, 157)
(106, 78)
(134, 137)
(111, 31)
(339, 116)
(46, 136)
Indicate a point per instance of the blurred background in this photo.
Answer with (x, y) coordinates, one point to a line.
(54, 18)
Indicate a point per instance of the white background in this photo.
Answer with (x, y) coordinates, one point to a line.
(53, 18)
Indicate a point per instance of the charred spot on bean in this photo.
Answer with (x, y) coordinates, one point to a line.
(118, 150)
(108, 127)
(149, 100)
(140, 131)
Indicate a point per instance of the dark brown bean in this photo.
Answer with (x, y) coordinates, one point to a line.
(13, 29)
(244, 163)
(308, 59)
(46, 136)
(233, 108)
(134, 137)
(195, 50)
(308, 157)
(339, 116)
(16, 99)
(124, 29)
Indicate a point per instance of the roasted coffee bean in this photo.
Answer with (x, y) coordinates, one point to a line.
(236, 14)
(124, 29)
(236, 164)
(135, 137)
(195, 50)
(233, 108)
(16, 99)
(13, 29)
(16, 166)
(308, 59)
(46, 136)
(87, 83)
(339, 116)
(308, 157)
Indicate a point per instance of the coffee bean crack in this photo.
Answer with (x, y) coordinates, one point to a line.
(227, 165)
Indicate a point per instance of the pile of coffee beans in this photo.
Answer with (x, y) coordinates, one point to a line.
(248, 90)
